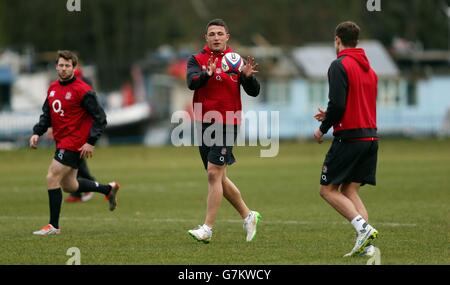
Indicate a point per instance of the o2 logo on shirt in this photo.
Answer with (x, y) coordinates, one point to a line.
(57, 107)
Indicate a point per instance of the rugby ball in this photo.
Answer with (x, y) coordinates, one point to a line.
(232, 63)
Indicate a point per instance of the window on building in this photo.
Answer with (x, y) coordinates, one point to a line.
(411, 93)
(318, 93)
(389, 93)
(278, 92)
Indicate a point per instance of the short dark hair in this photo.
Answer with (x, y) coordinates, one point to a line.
(348, 32)
(67, 55)
(217, 22)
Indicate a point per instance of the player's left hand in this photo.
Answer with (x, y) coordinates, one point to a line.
(250, 67)
(318, 135)
(86, 151)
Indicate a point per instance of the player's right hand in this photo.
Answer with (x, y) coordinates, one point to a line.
(34, 140)
(320, 115)
(212, 66)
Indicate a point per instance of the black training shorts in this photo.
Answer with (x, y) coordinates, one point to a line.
(350, 161)
(68, 158)
(220, 150)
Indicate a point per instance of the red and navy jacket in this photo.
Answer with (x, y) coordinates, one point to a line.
(220, 92)
(73, 111)
(352, 102)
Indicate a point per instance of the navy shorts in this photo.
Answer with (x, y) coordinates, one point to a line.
(219, 150)
(350, 162)
(68, 158)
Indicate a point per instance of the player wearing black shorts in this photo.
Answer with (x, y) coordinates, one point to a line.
(83, 172)
(217, 91)
(219, 151)
(72, 110)
(352, 159)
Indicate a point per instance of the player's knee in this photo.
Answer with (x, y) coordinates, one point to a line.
(214, 175)
(52, 179)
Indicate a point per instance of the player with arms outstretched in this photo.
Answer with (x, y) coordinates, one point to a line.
(219, 92)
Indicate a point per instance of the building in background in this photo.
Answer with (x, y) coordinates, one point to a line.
(413, 95)
(412, 106)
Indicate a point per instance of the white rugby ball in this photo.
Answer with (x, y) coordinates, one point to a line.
(232, 63)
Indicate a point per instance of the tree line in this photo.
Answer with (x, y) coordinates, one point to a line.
(115, 33)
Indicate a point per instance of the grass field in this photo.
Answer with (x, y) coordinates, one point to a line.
(164, 195)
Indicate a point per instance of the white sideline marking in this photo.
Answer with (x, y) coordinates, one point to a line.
(144, 219)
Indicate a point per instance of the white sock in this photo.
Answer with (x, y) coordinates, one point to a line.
(249, 215)
(359, 223)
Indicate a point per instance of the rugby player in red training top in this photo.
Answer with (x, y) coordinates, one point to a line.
(218, 92)
(72, 110)
(351, 161)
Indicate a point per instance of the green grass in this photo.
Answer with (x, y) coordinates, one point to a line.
(164, 195)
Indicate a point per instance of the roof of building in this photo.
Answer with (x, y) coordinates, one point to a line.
(315, 59)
